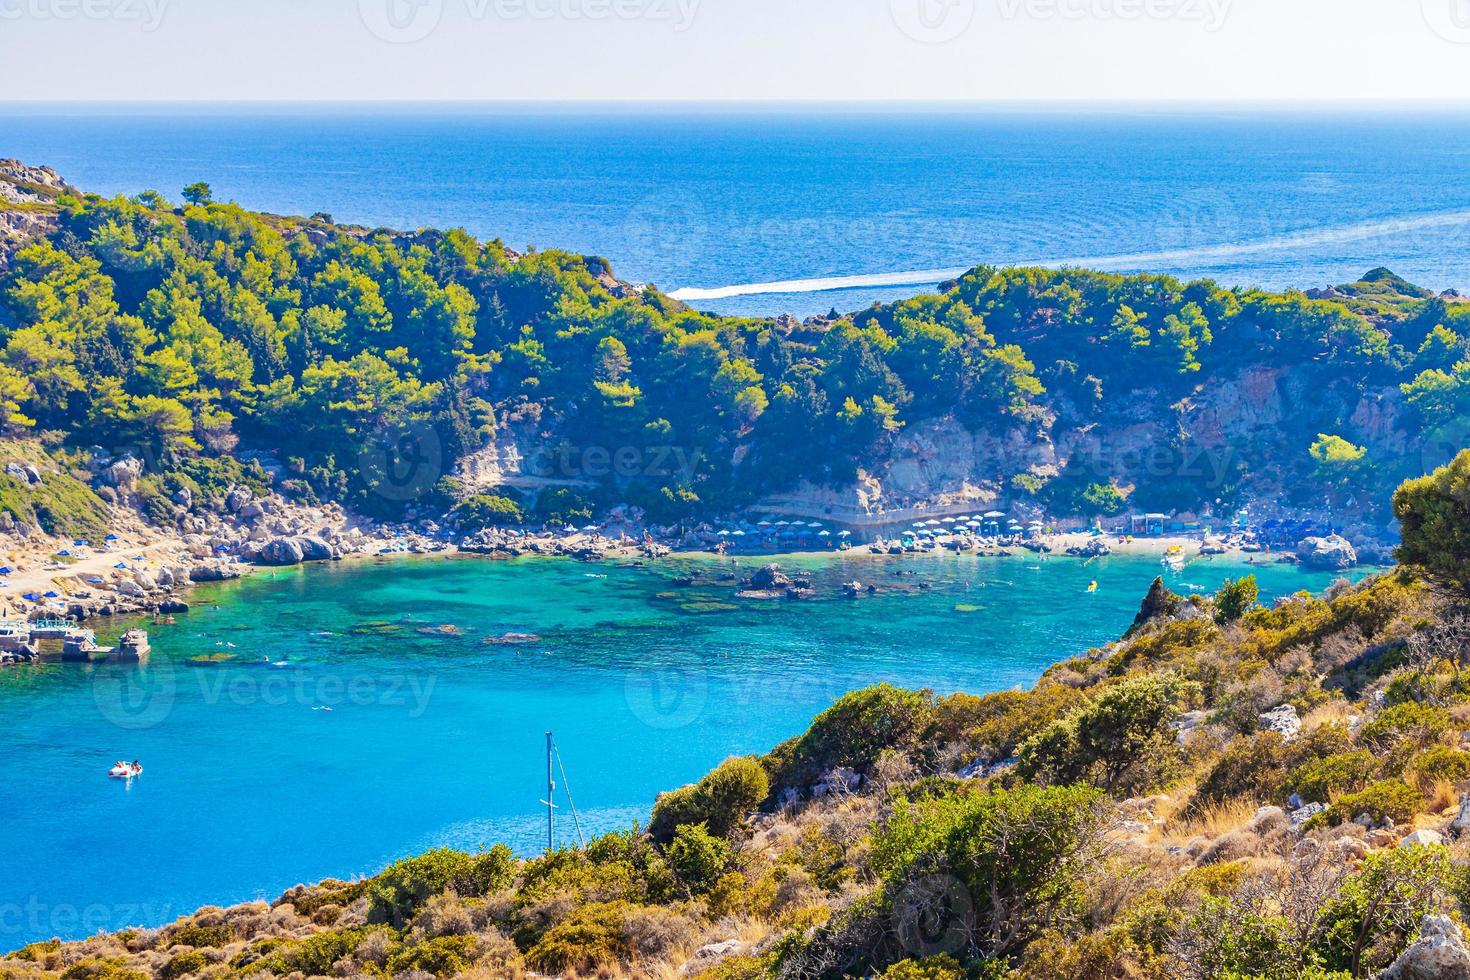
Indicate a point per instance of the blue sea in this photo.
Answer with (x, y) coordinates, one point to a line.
(754, 210)
(386, 735)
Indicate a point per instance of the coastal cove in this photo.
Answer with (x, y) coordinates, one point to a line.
(435, 736)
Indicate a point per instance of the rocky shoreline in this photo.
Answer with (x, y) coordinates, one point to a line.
(149, 571)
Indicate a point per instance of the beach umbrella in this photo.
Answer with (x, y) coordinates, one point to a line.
(121, 564)
(815, 524)
(53, 595)
(31, 597)
(844, 534)
(996, 513)
(63, 554)
(7, 570)
(94, 580)
(949, 520)
(824, 534)
(763, 524)
(80, 544)
(920, 524)
(782, 523)
(724, 534)
(739, 534)
(110, 537)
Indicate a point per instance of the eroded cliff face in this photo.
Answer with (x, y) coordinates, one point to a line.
(27, 209)
(937, 467)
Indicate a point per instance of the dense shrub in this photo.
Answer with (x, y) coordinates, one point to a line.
(1440, 763)
(1409, 724)
(443, 956)
(1122, 740)
(1252, 766)
(394, 894)
(1389, 799)
(720, 801)
(1322, 779)
(852, 733)
(488, 510)
(590, 938)
(996, 724)
(1020, 857)
(697, 858)
(1434, 521)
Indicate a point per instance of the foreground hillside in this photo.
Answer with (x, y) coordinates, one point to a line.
(386, 370)
(1229, 791)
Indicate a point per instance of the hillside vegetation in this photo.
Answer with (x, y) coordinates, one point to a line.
(199, 331)
(1230, 791)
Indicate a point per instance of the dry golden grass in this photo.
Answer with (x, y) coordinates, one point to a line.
(1214, 820)
(1334, 712)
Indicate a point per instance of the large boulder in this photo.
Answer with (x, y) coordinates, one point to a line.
(1283, 720)
(124, 473)
(769, 577)
(1330, 553)
(315, 549)
(1461, 823)
(1439, 954)
(281, 551)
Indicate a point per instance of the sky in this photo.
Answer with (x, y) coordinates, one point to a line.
(739, 50)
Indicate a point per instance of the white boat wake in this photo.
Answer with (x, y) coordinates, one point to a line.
(1360, 231)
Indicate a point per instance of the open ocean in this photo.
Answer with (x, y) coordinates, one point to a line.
(843, 207)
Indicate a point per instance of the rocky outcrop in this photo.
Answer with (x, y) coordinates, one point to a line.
(1330, 553)
(295, 550)
(281, 551)
(769, 577)
(123, 473)
(1438, 954)
(1160, 605)
(1283, 720)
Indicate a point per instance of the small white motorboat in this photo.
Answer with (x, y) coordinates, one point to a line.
(125, 770)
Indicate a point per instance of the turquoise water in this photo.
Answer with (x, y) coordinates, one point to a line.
(251, 787)
(711, 197)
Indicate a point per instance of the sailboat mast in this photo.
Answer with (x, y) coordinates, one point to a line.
(550, 799)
